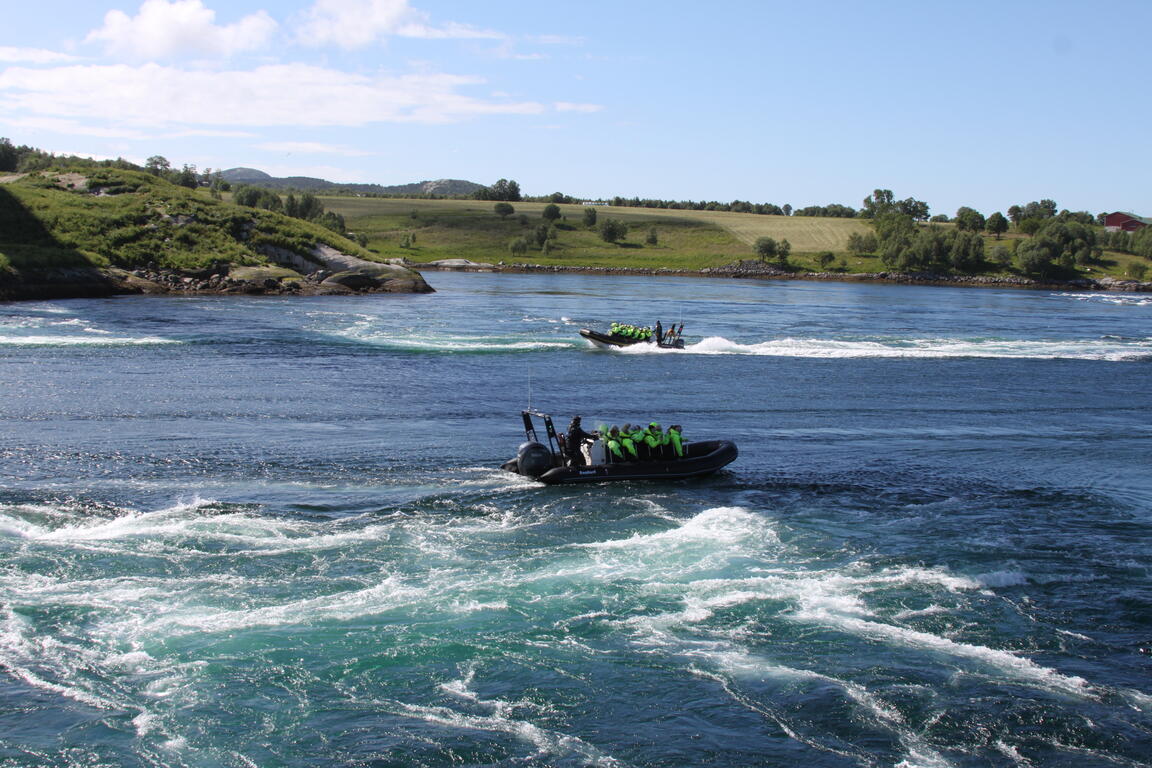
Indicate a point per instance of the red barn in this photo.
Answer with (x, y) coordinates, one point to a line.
(1123, 222)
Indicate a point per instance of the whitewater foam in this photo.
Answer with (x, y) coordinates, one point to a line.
(1111, 350)
(82, 341)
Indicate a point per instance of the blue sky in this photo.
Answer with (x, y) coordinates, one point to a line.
(983, 104)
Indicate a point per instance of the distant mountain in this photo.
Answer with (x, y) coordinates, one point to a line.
(440, 187)
(242, 175)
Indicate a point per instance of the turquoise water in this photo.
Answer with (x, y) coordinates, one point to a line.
(270, 532)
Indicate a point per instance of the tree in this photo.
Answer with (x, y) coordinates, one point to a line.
(503, 210)
(967, 251)
(157, 165)
(824, 259)
(787, 209)
(518, 247)
(1142, 242)
(877, 204)
(187, 177)
(997, 224)
(1002, 256)
(969, 219)
(255, 197)
(766, 248)
(1015, 213)
(508, 191)
(917, 209)
(335, 222)
(860, 244)
(589, 216)
(652, 238)
(542, 234)
(8, 155)
(783, 250)
(612, 230)
(310, 207)
(551, 212)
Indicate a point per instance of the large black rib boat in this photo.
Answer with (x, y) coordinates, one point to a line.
(546, 462)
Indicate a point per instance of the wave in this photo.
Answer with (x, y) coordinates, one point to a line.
(1122, 299)
(447, 344)
(1107, 349)
(82, 341)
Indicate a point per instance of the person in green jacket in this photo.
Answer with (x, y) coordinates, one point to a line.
(654, 438)
(613, 444)
(628, 443)
(676, 440)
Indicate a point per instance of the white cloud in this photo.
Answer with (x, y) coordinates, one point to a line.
(33, 56)
(358, 23)
(556, 40)
(568, 106)
(153, 96)
(65, 126)
(311, 148)
(172, 28)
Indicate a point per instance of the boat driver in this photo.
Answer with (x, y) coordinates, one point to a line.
(574, 443)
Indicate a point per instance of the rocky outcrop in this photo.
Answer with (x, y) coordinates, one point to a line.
(325, 271)
(60, 283)
(329, 267)
(464, 265)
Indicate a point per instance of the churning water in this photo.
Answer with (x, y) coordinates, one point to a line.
(271, 531)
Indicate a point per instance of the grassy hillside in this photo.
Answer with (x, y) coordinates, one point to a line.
(128, 219)
(686, 240)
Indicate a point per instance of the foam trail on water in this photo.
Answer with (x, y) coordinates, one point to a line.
(83, 341)
(1112, 350)
(450, 343)
(1123, 299)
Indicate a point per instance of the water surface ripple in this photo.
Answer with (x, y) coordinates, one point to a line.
(270, 532)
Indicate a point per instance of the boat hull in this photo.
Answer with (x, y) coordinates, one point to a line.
(609, 341)
(701, 458)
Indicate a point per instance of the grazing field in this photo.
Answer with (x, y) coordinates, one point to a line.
(685, 240)
(471, 229)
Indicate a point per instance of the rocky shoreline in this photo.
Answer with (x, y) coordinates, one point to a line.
(753, 269)
(324, 272)
(348, 276)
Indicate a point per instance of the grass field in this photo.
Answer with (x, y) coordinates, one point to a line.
(685, 239)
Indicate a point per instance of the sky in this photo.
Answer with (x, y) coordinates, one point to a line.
(978, 103)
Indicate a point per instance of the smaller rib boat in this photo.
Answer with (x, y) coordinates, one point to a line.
(668, 340)
(547, 463)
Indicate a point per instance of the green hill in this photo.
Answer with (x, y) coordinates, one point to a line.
(439, 188)
(424, 231)
(684, 240)
(86, 230)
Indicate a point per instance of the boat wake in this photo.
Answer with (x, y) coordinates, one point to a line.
(1109, 349)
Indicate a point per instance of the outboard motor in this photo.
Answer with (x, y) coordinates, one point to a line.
(533, 459)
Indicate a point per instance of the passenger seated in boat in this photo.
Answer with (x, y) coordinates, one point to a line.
(613, 442)
(628, 443)
(655, 439)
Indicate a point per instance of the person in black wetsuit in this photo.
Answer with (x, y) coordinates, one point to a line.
(575, 441)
